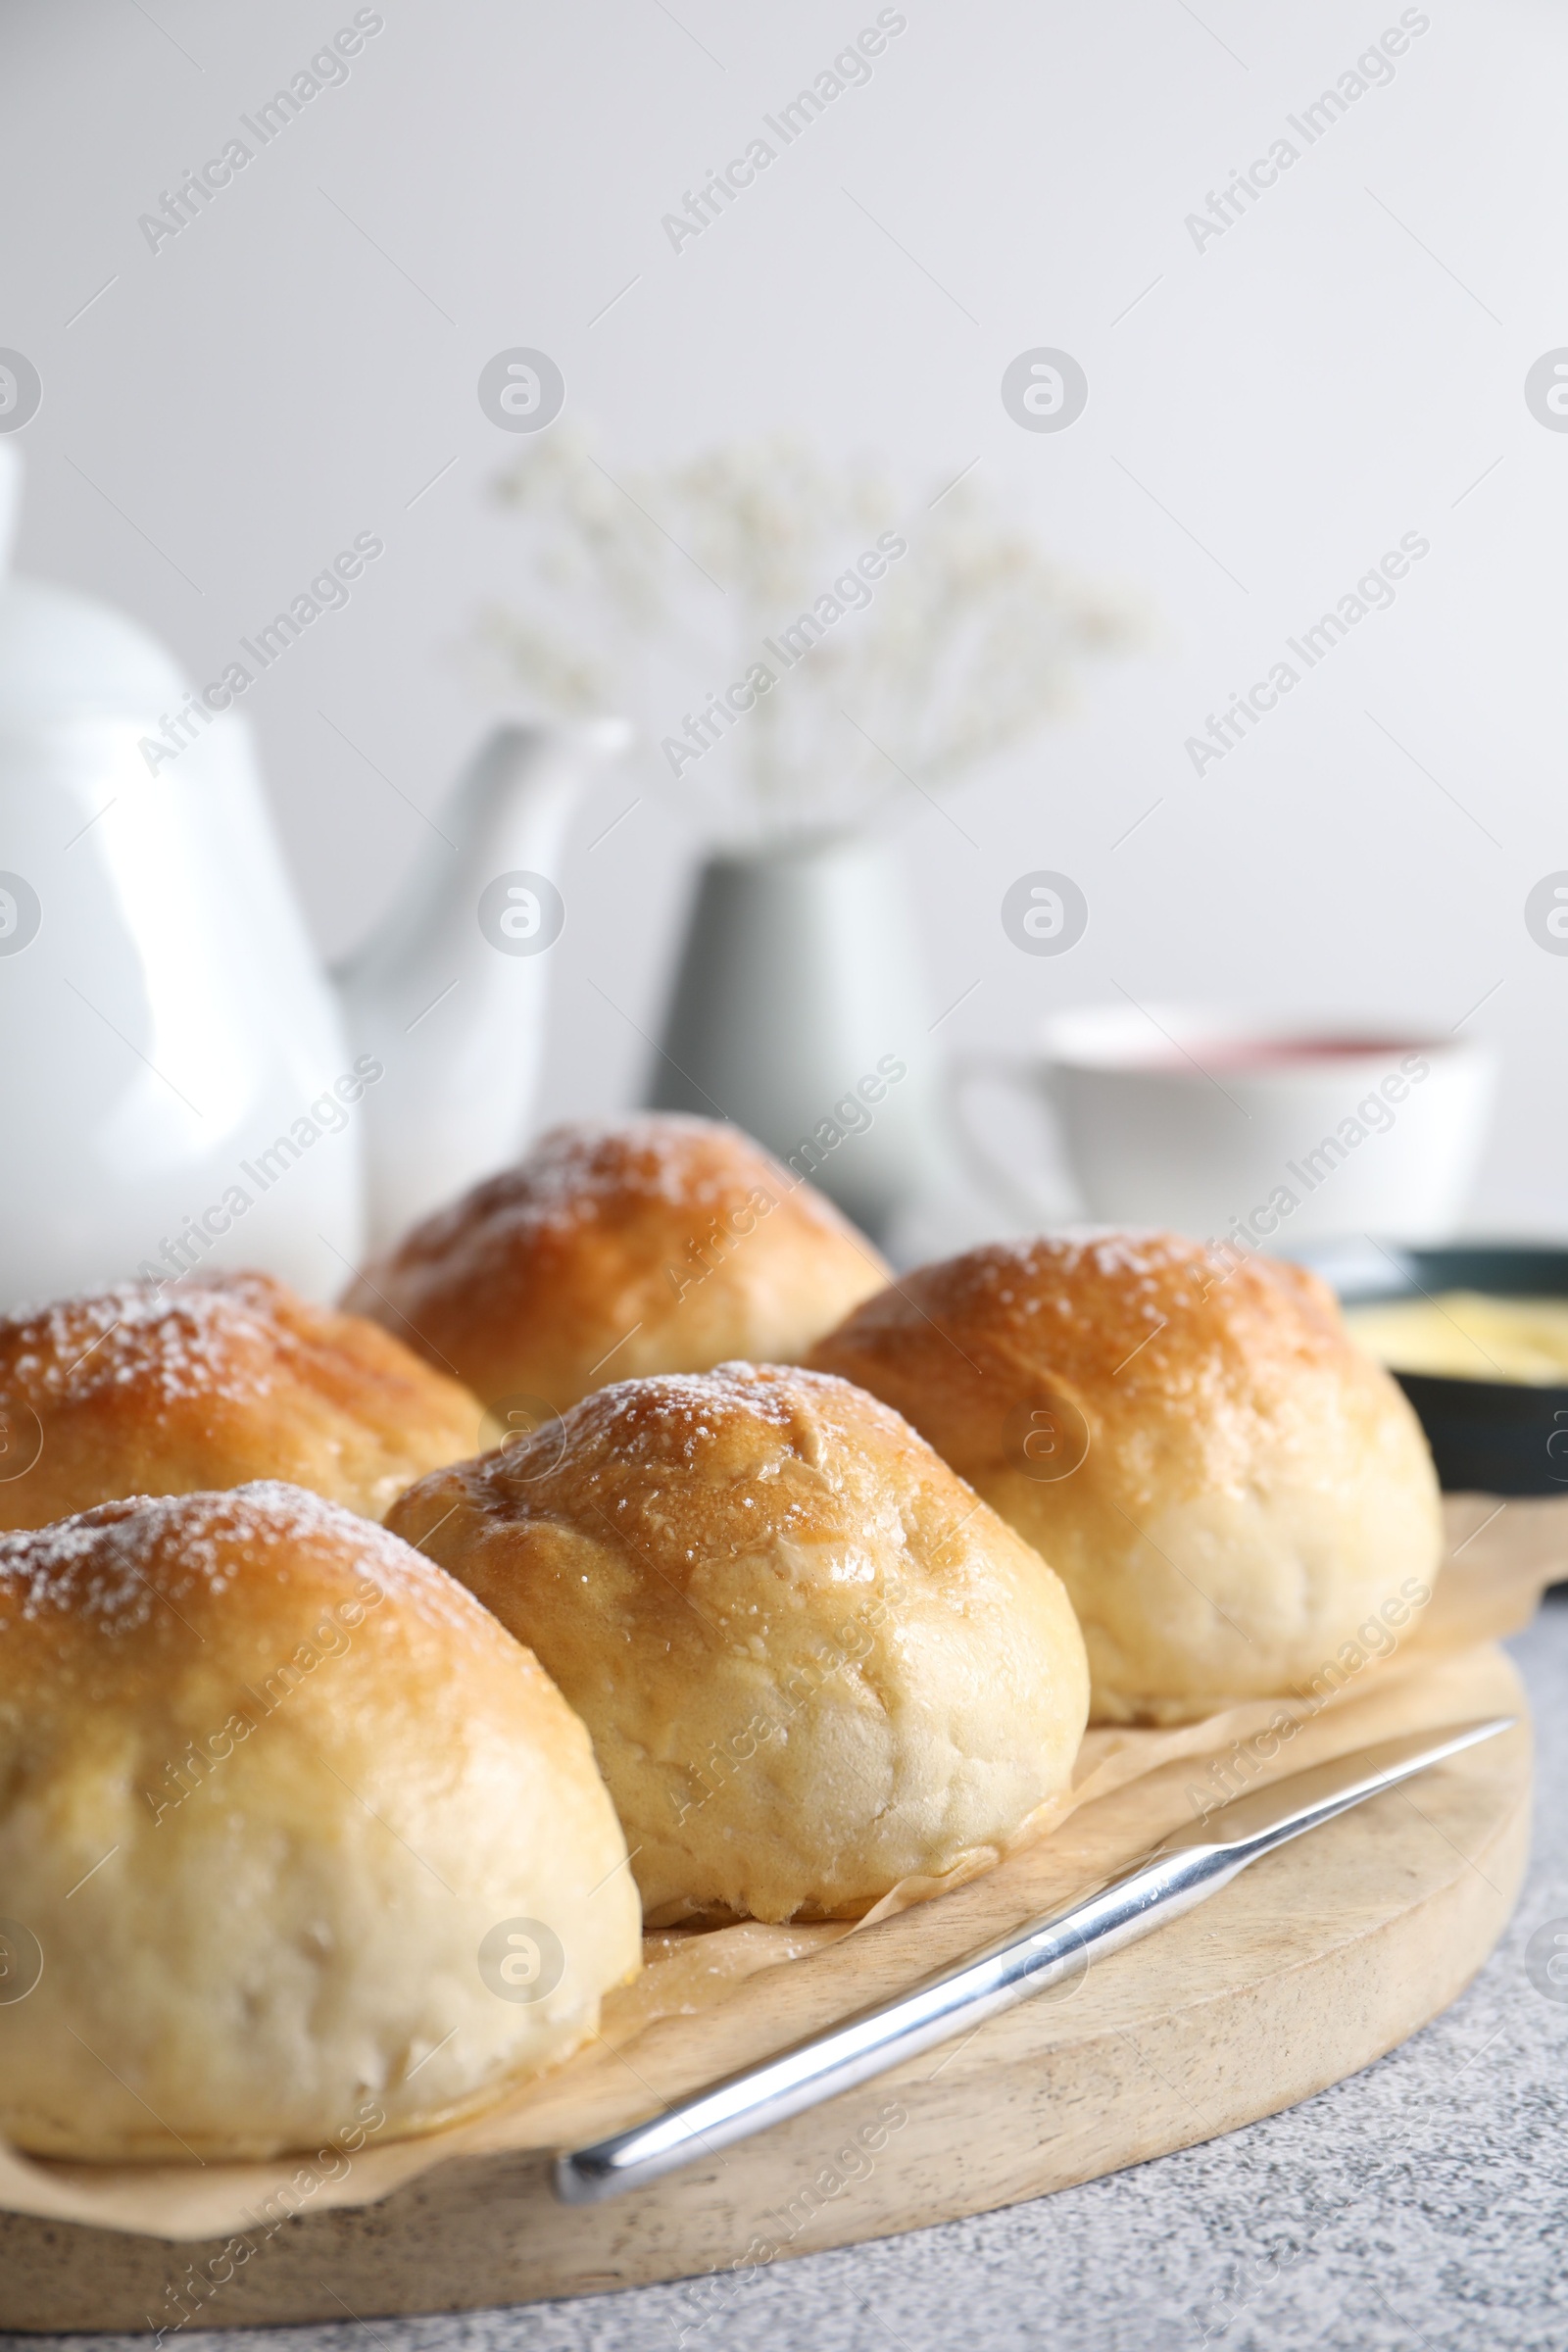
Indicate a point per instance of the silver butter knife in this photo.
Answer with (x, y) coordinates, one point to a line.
(1185, 1869)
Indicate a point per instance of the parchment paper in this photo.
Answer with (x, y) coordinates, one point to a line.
(1501, 1557)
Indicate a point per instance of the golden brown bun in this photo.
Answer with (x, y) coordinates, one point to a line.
(274, 1795)
(1226, 1484)
(619, 1248)
(142, 1392)
(811, 1661)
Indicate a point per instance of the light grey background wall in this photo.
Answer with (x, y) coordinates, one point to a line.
(1267, 414)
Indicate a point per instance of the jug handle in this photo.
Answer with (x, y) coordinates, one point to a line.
(1024, 1074)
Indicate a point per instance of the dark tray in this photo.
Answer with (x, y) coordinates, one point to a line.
(1498, 1436)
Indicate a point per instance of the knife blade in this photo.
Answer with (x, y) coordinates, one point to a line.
(1184, 1869)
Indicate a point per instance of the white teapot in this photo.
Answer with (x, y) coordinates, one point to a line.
(181, 1085)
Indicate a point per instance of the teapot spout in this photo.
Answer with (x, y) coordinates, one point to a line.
(447, 996)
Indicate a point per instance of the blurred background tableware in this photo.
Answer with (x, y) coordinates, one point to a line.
(1221, 1124)
(800, 1007)
(450, 992)
(1499, 1426)
(181, 1084)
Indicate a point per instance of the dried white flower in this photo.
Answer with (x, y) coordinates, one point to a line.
(641, 591)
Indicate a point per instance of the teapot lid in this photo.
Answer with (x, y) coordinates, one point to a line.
(66, 655)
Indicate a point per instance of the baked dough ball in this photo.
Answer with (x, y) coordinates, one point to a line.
(811, 1661)
(138, 1391)
(618, 1248)
(298, 1844)
(1226, 1484)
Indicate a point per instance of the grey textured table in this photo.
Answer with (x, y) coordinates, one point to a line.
(1421, 2203)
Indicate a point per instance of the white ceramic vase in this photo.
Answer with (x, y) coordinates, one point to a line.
(799, 1011)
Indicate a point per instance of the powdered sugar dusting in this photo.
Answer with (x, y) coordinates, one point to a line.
(211, 1338)
(113, 1565)
(587, 1171)
(1115, 1250)
(692, 1471)
(675, 1419)
(669, 1416)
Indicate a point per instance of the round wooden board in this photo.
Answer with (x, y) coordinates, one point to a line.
(1306, 1969)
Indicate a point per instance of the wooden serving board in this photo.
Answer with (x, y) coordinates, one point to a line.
(1307, 1967)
